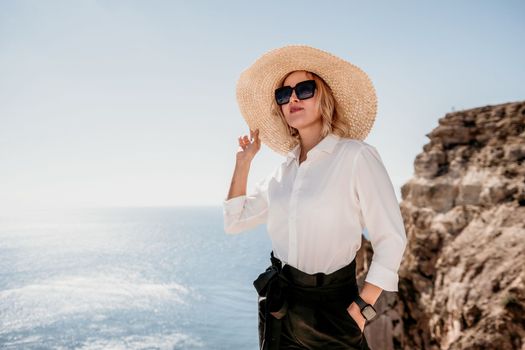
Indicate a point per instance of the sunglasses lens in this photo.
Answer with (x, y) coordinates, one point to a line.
(282, 95)
(305, 89)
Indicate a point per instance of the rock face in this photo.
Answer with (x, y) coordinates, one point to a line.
(462, 279)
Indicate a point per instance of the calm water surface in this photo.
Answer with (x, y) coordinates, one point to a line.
(128, 278)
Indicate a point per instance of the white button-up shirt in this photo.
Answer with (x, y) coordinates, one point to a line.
(315, 212)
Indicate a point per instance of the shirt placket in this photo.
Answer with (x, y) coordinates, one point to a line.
(292, 220)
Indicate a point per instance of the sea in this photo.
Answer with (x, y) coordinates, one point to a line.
(128, 278)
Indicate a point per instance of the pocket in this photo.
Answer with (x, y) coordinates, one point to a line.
(353, 321)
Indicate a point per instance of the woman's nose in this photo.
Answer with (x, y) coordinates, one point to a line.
(293, 96)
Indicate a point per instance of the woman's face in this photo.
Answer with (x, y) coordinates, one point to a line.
(300, 113)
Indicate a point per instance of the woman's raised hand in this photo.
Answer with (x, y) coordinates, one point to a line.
(249, 147)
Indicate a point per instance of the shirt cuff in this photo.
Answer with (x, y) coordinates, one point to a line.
(382, 277)
(233, 205)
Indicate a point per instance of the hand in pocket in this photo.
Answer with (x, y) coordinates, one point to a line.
(355, 315)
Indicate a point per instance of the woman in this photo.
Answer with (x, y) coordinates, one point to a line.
(316, 109)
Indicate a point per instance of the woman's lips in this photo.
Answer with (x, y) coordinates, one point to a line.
(295, 109)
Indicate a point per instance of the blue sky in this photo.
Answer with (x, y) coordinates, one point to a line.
(132, 103)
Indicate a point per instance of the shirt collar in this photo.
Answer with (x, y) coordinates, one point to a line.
(327, 145)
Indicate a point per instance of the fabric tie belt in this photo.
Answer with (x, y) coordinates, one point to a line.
(280, 284)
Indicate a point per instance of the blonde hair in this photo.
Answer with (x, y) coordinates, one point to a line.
(326, 104)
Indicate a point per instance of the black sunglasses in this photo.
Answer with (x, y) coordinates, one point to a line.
(303, 90)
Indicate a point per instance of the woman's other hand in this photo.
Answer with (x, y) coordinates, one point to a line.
(249, 146)
(355, 313)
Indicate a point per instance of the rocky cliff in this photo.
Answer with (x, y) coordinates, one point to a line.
(462, 279)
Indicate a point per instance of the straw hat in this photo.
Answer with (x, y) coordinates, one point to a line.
(351, 88)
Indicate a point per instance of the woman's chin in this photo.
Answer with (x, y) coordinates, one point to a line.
(300, 124)
(297, 121)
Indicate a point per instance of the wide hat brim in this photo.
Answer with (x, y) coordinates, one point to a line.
(351, 88)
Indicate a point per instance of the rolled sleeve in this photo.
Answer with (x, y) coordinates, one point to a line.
(381, 215)
(233, 206)
(245, 212)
